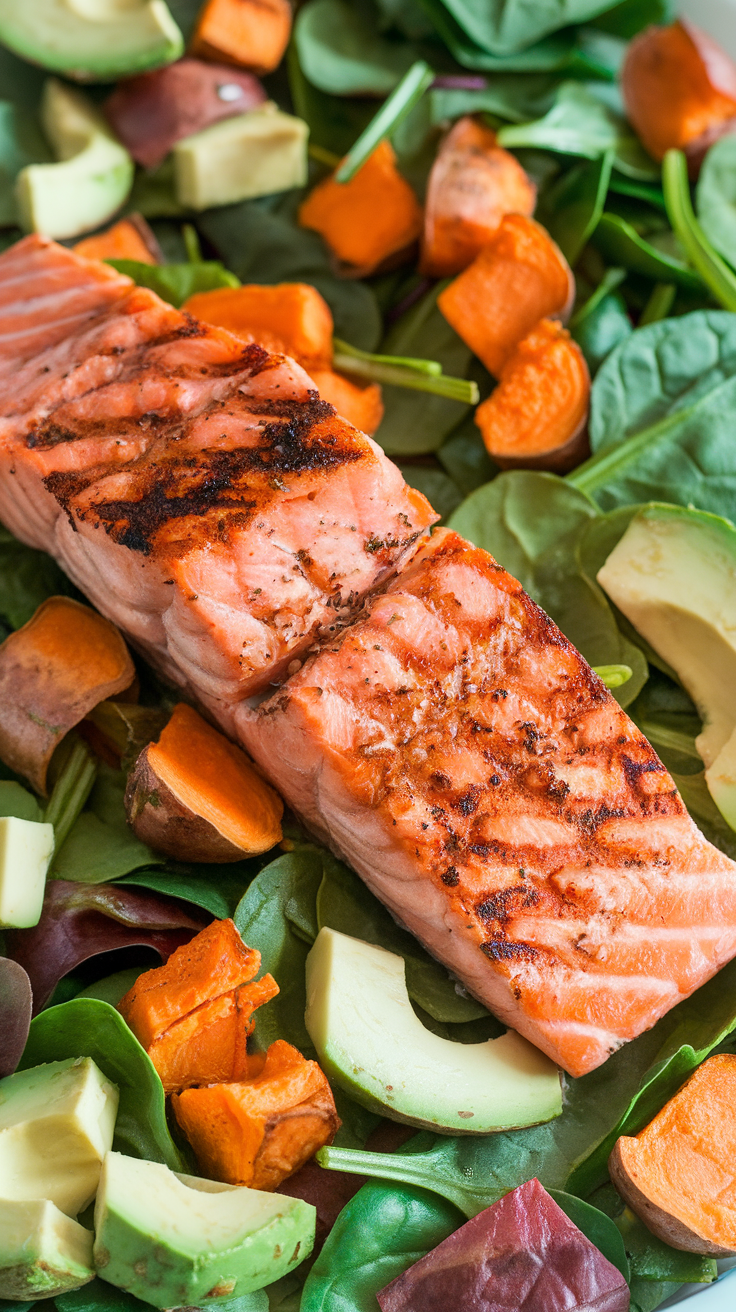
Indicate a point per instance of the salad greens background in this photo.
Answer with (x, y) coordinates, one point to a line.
(661, 429)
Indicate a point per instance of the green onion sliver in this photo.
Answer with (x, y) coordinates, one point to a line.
(455, 389)
(431, 367)
(403, 98)
(712, 268)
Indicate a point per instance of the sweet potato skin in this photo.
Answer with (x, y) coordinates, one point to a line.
(520, 277)
(679, 89)
(53, 671)
(159, 819)
(473, 183)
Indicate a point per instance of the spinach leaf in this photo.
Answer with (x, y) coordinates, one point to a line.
(668, 718)
(605, 326)
(660, 419)
(620, 243)
(15, 1013)
(577, 205)
(177, 282)
(417, 422)
(335, 122)
(507, 26)
(531, 524)
(345, 904)
(261, 241)
(513, 96)
(101, 845)
(597, 1227)
(651, 1259)
(464, 457)
(86, 1027)
(16, 800)
(27, 577)
(629, 17)
(216, 888)
(437, 486)
(341, 52)
(705, 813)
(715, 197)
(713, 269)
(382, 1231)
(556, 51)
(578, 123)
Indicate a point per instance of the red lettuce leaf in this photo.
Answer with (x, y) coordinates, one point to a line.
(15, 1014)
(80, 921)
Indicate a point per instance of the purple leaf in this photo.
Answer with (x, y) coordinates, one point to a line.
(15, 1014)
(521, 1253)
(80, 921)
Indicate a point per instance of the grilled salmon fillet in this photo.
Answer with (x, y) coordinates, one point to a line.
(195, 487)
(458, 751)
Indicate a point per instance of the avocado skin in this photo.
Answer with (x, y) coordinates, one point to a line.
(163, 1270)
(42, 1251)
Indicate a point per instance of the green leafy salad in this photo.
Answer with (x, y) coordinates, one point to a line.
(501, 238)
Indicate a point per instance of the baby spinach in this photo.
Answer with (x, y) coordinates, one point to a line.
(262, 242)
(99, 1296)
(507, 26)
(101, 846)
(660, 418)
(713, 269)
(177, 282)
(576, 204)
(15, 1013)
(599, 330)
(86, 1027)
(334, 121)
(715, 197)
(464, 457)
(20, 144)
(216, 888)
(440, 490)
(619, 242)
(16, 800)
(578, 123)
(513, 96)
(651, 1259)
(345, 904)
(382, 1231)
(531, 523)
(342, 52)
(417, 423)
(399, 104)
(27, 578)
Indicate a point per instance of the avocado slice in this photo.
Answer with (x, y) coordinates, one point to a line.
(56, 1125)
(26, 848)
(371, 1042)
(91, 40)
(673, 574)
(175, 1240)
(92, 178)
(42, 1251)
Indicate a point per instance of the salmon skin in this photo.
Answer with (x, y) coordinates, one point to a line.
(194, 487)
(443, 736)
(458, 751)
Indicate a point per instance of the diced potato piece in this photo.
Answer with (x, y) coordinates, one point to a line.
(26, 848)
(253, 154)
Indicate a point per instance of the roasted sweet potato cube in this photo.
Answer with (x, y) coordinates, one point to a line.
(209, 1045)
(252, 34)
(261, 1130)
(128, 239)
(215, 962)
(520, 277)
(474, 182)
(291, 318)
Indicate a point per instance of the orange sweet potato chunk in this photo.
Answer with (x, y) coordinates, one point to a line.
(128, 239)
(213, 963)
(251, 34)
(360, 404)
(367, 220)
(474, 182)
(290, 318)
(679, 88)
(520, 277)
(209, 1046)
(53, 671)
(679, 1173)
(259, 1131)
(537, 415)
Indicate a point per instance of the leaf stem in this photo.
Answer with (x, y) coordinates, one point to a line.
(378, 370)
(712, 268)
(611, 279)
(402, 100)
(605, 465)
(405, 361)
(409, 1168)
(659, 304)
(192, 243)
(71, 790)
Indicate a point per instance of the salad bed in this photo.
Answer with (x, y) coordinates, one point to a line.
(655, 319)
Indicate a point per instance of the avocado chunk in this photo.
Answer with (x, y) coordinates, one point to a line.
(253, 154)
(26, 848)
(175, 1240)
(673, 574)
(93, 175)
(56, 1125)
(91, 40)
(371, 1042)
(42, 1251)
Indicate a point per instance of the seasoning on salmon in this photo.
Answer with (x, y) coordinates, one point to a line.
(465, 759)
(194, 486)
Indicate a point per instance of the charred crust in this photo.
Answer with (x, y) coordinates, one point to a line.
(499, 949)
(507, 903)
